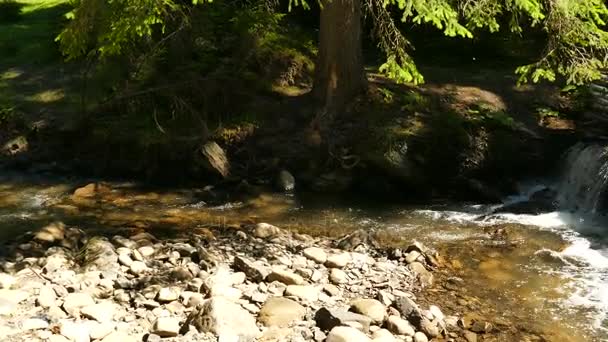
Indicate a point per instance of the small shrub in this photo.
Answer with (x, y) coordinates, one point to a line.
(10, 11)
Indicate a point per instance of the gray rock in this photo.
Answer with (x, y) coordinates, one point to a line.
(166, 327)
(315, 254)
(327, 319)
(338, 260)
(408, 309)
(285, 181)
(307, 293)
(346, 334)
(420, 337)
(399, 326)
(101, 312)
(265, 230)
(281, 312)
(337, 276)
(286, 277)
(370, 308)
(100, 255)
(255, 271)
(225, 319)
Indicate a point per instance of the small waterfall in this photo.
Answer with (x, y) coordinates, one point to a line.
(585, 178)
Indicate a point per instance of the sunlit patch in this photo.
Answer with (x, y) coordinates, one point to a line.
(10, 74)
(48, 96)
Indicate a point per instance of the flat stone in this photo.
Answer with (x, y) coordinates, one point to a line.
(34, 324)
(118, 336)
(168, 294)
(76, 332)
(101, 312)
(255, 271)
(98, 331)
(13, 296)
(420, 337)
(307, 293)
(125, 259)
(346, 334)
(146, 251)
(331, 290)
(469, 336)
(225, 319)
(400, 326)
(46, 297)
(338, 260)
(337, 276)
(138, 267)
(286, 277)
(75, 301)
(327, 319)
(370, 308)
(51, 233)
(265, 230)
(279, 311)
(315, 254)
(166, 327)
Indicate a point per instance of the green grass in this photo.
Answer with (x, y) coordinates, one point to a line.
(30, 39)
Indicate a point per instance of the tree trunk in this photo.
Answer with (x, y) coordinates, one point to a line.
(339, 73)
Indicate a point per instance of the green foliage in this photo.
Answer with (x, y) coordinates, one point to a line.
(486, 115)
(10, 11)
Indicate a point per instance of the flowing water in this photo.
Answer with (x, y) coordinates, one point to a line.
(536, 277)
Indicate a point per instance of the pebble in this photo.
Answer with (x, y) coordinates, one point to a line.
(281, 312)
(74, 301)
(101, 312)
(167, 294)
(400, 326)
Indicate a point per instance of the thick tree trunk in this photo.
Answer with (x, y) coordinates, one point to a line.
(339, 73)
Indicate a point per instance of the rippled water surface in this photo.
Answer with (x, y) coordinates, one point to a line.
(534, 276)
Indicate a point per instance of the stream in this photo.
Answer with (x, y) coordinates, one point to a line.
(539, 276)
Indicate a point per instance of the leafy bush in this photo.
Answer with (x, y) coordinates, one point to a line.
(10, 11)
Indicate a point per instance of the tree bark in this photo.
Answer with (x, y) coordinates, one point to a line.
(339, 73)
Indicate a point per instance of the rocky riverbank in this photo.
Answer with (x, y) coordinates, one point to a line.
(255, 283)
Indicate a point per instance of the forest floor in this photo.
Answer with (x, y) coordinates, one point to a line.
(39, 90)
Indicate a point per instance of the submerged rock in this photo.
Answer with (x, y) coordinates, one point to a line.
(285, 181)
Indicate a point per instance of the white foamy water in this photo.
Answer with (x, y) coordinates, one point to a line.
(589, 271)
